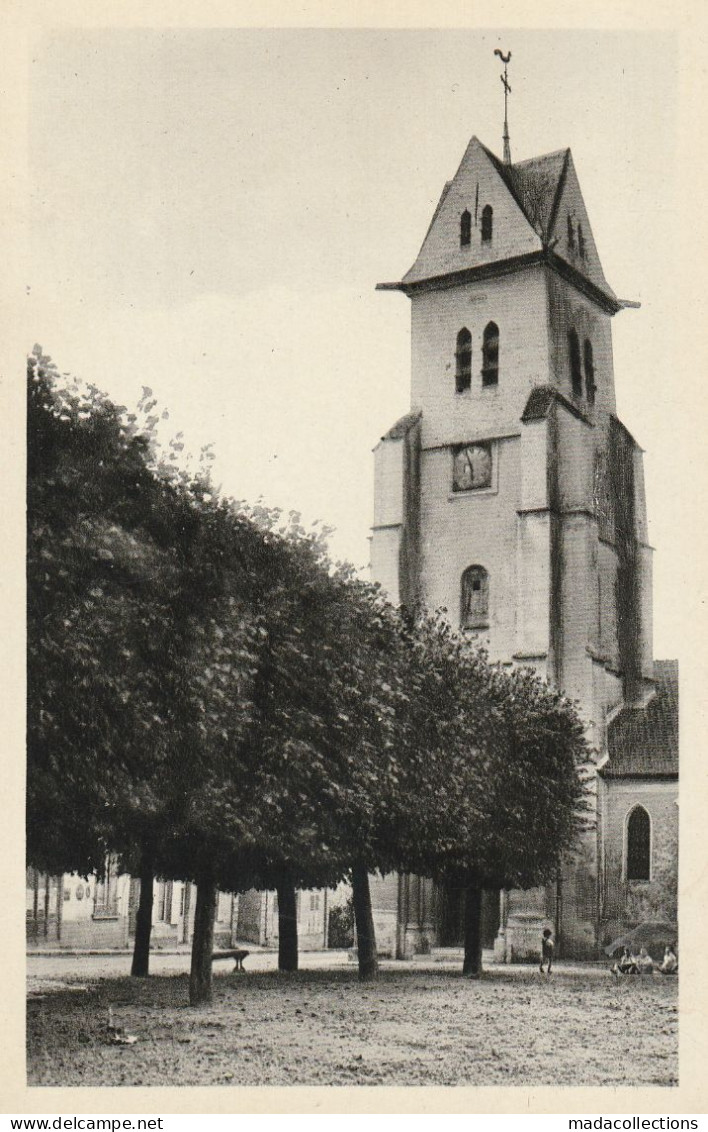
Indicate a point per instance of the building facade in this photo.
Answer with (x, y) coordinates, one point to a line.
(78, 913)
(97, 913)
(513, 497)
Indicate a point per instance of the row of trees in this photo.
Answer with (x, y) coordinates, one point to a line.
(212, 700)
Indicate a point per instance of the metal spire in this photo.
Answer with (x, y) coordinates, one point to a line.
(507, 91)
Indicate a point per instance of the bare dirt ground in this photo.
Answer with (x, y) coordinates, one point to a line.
(321, 1027)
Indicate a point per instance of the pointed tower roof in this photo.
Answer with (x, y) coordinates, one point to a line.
(536, 185)
(535, 203)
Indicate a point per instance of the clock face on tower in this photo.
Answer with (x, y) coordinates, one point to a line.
(472, 467)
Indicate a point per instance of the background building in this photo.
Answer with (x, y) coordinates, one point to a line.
(74, 912)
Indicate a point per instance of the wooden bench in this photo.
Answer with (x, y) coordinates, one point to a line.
(238, 954)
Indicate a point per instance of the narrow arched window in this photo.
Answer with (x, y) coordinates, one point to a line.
(490, 354)
(639, 845)
(589, 372)
(463, 360)
(465, 229)
(487, 222)
(581, 241)
(576, 373)
(474, 598)
(571, 234)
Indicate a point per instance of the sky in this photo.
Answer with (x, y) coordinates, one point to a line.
(211, 210)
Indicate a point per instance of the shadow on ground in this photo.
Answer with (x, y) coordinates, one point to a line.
(323, 1027)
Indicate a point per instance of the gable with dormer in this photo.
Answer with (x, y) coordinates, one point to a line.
(476, 186)
(571, 236)
(492, 217)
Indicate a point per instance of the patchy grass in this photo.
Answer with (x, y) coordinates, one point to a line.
(428, 1027)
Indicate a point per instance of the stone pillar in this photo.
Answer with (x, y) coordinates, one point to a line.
(384, 906)
(500, 940)
(522, 926)
(417, 928)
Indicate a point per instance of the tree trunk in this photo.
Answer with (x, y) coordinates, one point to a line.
(202, 941)
(287, 924)
(143, 920)
(365, 936)
(472, 964)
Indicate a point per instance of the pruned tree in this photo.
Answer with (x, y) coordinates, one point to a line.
(116, 578)
(508, 757)
(211, 699)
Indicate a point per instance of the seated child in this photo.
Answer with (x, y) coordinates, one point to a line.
(669, 964)
(644, 962)
(626, 965)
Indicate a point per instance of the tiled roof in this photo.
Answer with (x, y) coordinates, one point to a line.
(536, 186)
(403, 425)
(541, 398)
(538, 183)
(644, 741)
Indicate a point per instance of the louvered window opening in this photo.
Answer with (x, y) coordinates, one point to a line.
(590, 386)
(463, 361)
(465, 229)
(576, 374)
(487, 223)
(490, 355)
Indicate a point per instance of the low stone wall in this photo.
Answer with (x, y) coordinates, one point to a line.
(94, 934)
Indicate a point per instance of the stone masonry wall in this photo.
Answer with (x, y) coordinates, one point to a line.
(95, 934)
(629, 902)
(517, 304)
(472, 528)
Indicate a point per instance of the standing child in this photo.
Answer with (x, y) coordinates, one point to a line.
(547, 949)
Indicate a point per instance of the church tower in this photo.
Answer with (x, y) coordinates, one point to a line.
(511, 495)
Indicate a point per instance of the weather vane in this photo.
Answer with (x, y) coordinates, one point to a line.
(507, 91)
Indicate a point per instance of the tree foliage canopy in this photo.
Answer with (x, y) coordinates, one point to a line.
(203, 679)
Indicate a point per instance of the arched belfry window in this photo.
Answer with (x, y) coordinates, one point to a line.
(639, 845)
(465, 229)
(589, 372)
(487, 223)
(581, 241)
(474, 598)
(490, 354)
(576, 373)
(463, 360)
